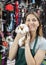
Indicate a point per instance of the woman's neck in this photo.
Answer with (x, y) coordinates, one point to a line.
(33, 36)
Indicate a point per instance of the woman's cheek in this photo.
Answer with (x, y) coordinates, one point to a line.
(27, 24)
(37, 24)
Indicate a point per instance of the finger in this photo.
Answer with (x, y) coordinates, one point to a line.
(28, 35)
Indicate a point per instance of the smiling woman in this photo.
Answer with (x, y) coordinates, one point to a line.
(33, 51)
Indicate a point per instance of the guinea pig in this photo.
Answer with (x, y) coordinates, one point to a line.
(23, 29)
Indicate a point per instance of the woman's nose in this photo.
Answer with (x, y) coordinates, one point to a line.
(30, 22)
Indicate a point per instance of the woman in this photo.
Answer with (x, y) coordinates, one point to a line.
(33, 51)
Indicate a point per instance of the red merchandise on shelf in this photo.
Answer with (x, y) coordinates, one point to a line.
(9, 7)
(16, 11)
(5, 44)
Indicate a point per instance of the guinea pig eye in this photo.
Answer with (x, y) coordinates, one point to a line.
(18, 27)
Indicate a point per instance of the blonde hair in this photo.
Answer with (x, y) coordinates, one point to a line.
(39, 30)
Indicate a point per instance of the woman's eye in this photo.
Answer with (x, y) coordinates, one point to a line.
(28, 20)
(34, 20)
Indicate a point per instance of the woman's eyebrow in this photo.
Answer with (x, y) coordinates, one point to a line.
(28, 19)
(33, 19)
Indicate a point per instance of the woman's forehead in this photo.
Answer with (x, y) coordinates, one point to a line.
(31, 16)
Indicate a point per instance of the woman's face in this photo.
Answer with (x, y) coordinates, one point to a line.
(32, 22)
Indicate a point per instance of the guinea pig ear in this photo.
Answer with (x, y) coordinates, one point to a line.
(16, 30)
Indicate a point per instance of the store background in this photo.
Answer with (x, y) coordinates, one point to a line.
(11, 15)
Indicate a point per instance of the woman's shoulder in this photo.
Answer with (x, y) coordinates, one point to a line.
(42, 43)
(42, 39)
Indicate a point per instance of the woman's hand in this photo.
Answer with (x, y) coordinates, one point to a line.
(19, 35)
(24, 40)
(27, 41)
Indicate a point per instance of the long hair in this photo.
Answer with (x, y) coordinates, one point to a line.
(39, 29)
